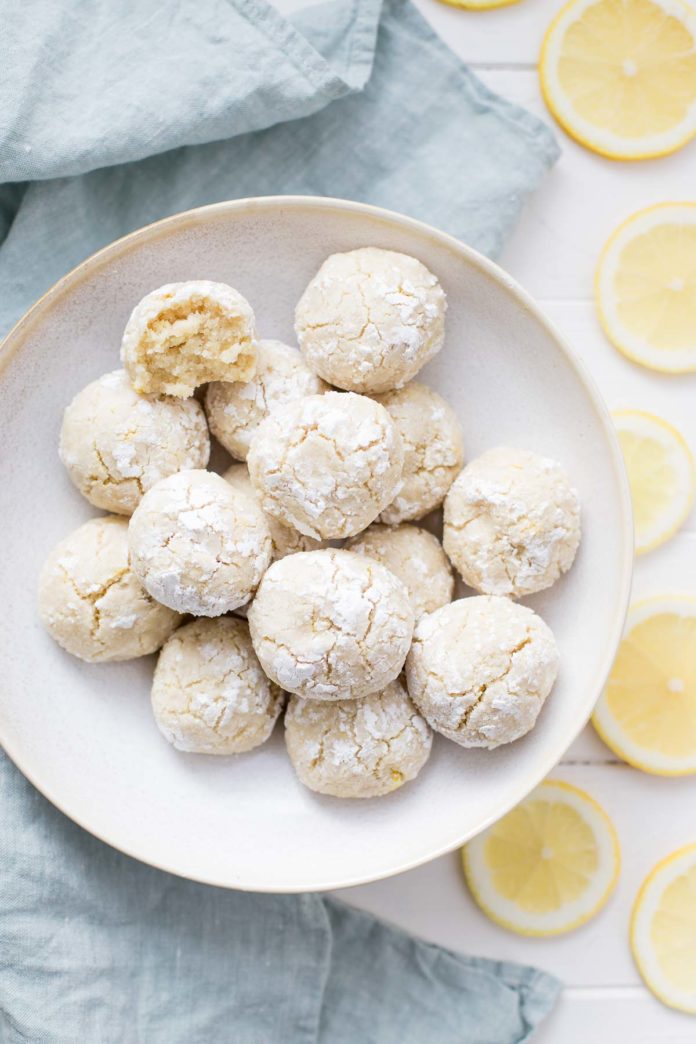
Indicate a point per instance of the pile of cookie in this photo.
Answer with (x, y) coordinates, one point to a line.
(301, 565)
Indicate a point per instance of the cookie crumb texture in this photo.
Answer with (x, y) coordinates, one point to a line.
(331, 625)
(433, 450)
(370, 319)
(197, 545)
(92, 604)
(284, 539)
(327, 465)
(415, 557)
(235, 410)
(209, 694)
(116, 444)
(480, 669)
(185, 334)
(357, 748)
(511, 522)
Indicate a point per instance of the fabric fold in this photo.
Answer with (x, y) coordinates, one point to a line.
(461, 999)
(91, 84)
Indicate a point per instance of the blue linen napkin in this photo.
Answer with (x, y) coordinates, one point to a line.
(88, 83)
(96, 948)
(111, 116)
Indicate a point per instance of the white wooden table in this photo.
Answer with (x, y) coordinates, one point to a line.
(553, 255)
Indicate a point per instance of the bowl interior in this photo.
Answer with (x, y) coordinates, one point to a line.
(84, 734)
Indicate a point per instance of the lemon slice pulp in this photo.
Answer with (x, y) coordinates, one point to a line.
(647, 712)
(661, 475)
(645, 287)
(546, 867)
(663, 930)
(620, 75)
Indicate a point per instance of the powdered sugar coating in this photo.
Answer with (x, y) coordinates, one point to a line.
(91, 602)
(197, 545)
(433, 450)
(116, 444)
(235, 410)
(284, 539)
(480, 669)
(370, 319)
(185, 334)
(331, 625)
(209, 694)
(357, 748)
(326, 465)
(511, 522)
(413, 555)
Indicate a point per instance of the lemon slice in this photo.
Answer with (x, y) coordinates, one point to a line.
(661, 475)
(646, 287)
(663, 930)
(547, 866)
(647, 712)
(620, 75)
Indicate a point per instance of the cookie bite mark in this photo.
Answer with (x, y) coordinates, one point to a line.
(186, 334)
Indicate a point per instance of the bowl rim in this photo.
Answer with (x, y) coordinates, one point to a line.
(19, 333)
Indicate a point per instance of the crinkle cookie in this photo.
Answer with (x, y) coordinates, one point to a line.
(116, 444)
(326, 465)
(511, 522)
(91, 602)
(284, 539)
(413, 555)
(357, 748)
(185, 334)
(370, 319)
(433, 450)
(235, 410)
(209, 694)
(197, 545)
(480, 669)
(331, 625)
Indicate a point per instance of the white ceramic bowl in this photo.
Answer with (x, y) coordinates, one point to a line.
(84, 735)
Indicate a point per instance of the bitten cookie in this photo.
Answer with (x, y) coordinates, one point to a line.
(480, 669)
(357, 748)
(433, 450)
(331, 625)
(511, 522)
(370, 319)
(197, 545)
(91, 602)
(116, 444)
(235, 410)
(209, 694)
(413, 555)
(326, 465)
(185, 334)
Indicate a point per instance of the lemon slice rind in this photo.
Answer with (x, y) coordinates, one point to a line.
(645, 907)
(605, 142)
(505, 913)
(682, 360)
(603, 720)
(681, 462)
